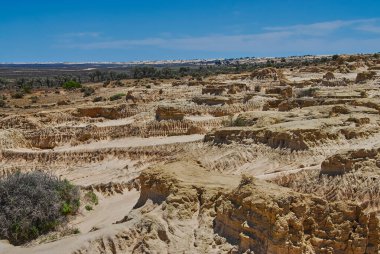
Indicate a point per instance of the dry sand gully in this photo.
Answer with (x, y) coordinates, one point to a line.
(275, 161)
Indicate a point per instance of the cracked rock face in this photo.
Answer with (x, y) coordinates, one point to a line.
(268, 219)
(176, 211)
(346, 161)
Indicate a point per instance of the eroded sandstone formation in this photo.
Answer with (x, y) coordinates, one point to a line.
(166, 156)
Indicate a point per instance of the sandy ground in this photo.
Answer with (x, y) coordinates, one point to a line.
(133, 142)
(107, 212)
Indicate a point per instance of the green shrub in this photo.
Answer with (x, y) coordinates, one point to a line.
(71, 85)
(26, 89)
(88, 207)
(66, 208)
(91, 197)
(239, 122)
(87, 91)
(97, 99)
(117, 96)
(18, 95)
(32, 204)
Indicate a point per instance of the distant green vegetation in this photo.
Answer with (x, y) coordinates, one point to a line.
(71, 85)
(69, 79)
(335, 57)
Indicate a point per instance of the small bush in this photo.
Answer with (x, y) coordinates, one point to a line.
(245, 180)
(97, 99)
(91, 197)
(239, 122)
(69, 85)
(2, 103)
(88, 207)
(33, 99)
(32, 204)
(117, 96)
(26, 89)
(18, 95)
(309, 92)
(87, 91)
(119, 83)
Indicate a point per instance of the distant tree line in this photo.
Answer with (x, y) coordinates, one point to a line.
(38, 82)
(227, 66)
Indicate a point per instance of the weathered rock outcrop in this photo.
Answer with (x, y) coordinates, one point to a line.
(294, 139)
(283, 91)
(12, 139)
(182, 207)
(282, 134)
(265, 73)
(265, 218)
(212, 100)
(167, 112)
(109, 112)
(220, 89)
(346, 161)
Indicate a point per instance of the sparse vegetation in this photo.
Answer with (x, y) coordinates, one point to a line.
(91, 197)
(2, 103)
(97, 99)
(117, 96)
(245, 179)
(88, 207)
(18, 95)
(33, 99)
(309, 92)
(71, 85)
(32, 204)
(87, 91)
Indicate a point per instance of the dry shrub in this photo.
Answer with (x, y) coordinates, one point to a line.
(32, 204)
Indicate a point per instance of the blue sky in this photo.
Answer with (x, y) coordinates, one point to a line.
(115, 30)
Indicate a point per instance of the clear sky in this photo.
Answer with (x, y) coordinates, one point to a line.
(115, 30)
